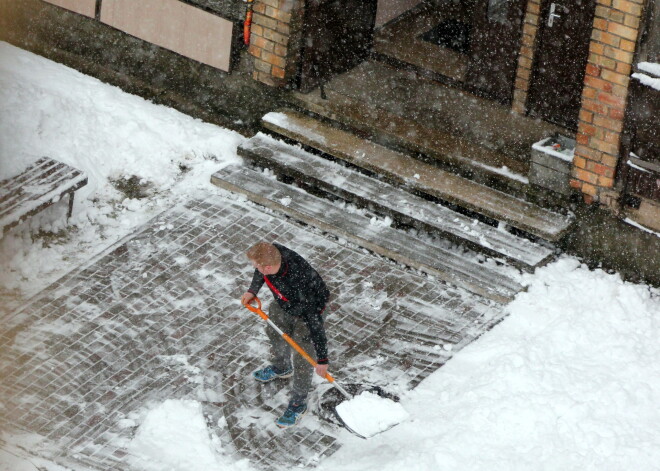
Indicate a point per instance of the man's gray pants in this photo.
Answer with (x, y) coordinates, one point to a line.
(281, 351)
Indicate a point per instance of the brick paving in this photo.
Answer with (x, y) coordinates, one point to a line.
(157, 317)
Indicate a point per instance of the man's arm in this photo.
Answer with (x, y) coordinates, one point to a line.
(314, 322)
(257, 282)
(255, 286)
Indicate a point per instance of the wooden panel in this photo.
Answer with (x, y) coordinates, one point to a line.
(641, 170)
(390, 9)
(84, 7)
(494, 46)
(643, 111)
(174, 25)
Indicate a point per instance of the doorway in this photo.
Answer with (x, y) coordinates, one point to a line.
(471, 44)
(496, 28)
(559, 67)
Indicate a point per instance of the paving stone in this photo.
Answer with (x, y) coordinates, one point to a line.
(106, 340)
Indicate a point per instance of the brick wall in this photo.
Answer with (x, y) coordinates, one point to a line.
(526, 56)
(611, 52)
(270, 40)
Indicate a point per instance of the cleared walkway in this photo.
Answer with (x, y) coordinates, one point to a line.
(157, 317)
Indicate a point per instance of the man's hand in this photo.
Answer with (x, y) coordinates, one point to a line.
(247, 298)
(321, 370)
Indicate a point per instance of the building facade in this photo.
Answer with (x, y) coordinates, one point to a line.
(587, 71)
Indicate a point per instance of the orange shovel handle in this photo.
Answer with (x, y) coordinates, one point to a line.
(257, 310)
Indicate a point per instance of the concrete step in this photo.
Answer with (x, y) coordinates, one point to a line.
(460, 269)
(317, 173)
(467, 135)
(418, 176)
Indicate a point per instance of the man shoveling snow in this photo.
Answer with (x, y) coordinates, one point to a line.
(301, 296)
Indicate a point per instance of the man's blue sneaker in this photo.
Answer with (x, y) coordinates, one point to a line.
(270, 373)
(292, 415)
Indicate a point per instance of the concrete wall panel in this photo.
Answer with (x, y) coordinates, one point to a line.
(175, 26)
(84, 7)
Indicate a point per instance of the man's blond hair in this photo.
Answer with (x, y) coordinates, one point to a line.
(264, 254)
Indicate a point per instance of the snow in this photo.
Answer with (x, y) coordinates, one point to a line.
(504, 170)
(650, 67)
(637, 167)
(639, 226)
(173, 436)
(570, 380)
(647, 80)
(51, 110)
(282, 121)
(369, 414)
(565, 154)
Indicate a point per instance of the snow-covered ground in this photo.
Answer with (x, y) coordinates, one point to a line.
(570, 380)
(51, 110)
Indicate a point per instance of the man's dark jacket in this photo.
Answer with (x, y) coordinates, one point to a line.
(300, 291)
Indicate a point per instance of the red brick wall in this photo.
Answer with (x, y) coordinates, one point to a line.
(611, 52)
(270, 38)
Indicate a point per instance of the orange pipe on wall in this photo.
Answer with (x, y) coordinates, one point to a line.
(247, 24)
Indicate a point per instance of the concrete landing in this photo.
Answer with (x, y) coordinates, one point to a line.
(157, 317)
(386, 101)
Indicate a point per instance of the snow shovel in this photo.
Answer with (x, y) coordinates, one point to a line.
(333, 400)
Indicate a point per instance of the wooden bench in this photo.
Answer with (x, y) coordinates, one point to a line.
(40, 185)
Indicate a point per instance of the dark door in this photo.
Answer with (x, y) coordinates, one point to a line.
(337, 35)
(561, 58)
(494, 47)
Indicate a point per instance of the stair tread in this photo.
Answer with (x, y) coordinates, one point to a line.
(350, 184)
(491, 282)
(418, 175)
(419, 137)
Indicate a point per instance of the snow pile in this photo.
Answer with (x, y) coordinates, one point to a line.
(369, 414)
(571, 380)
(173, 436)
(52, 110)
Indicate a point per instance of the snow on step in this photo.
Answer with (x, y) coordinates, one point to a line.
(418, 175)
(349, 184)
(433, 259)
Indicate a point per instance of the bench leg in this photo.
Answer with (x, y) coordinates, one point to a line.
(70, 212)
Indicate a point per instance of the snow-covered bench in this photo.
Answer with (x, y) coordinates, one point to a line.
(43, 183)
